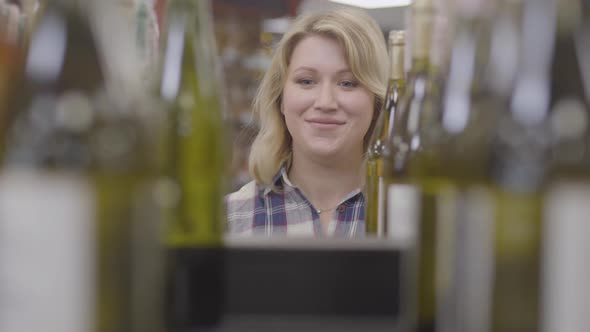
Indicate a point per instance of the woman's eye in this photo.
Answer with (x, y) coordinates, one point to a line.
(348, 84)
(305, 81)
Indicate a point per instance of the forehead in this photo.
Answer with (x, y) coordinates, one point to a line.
(318, 52)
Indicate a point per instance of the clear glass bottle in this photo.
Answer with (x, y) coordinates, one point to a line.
(378, 157)
(518, 173)
(477, 92)
(568, 190)
(418, 108)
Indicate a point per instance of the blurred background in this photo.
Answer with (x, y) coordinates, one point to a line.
(245, 31)
(501, 159)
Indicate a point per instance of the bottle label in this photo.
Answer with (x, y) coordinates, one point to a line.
(403, 208)
(566, 265)
(46, 253)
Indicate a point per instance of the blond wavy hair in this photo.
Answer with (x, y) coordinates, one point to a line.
(366, 54)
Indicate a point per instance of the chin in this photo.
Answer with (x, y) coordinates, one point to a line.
(327, 150)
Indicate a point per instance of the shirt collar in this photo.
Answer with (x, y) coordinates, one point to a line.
(281, 180)
(278, 181)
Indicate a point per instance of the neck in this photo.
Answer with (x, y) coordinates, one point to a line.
(325, 184)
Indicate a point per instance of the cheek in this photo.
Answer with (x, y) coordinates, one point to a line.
(291, 107)
(362, 107)
(295, 103)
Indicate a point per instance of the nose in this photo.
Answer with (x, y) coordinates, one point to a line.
(326, 99)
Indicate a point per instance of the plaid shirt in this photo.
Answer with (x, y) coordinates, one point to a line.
(258, 210)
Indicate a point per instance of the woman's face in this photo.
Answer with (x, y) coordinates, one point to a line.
(327, 111)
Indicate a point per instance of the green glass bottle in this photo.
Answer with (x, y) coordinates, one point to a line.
(378, 153)
(196, 159)
(78, 170)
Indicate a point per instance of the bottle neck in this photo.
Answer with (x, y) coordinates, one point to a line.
(566, 72)
(190, 39)
(441, 41)
(396, 54)
(530, 99)
(423, 24)
(569, 16)
(504, 48)
(195, 15)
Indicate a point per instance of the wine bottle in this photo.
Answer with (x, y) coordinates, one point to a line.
(566, 204)
(78, 215)
(196, 167)
(406, 204)
(449, 145)
(417, 96)
(519, 164)
(377, 155)
(477, 90)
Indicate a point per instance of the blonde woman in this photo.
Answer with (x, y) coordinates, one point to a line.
(317, 105)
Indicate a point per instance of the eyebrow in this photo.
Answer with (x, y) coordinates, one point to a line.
(305, 68)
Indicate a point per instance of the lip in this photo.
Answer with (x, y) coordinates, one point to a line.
(325, 123)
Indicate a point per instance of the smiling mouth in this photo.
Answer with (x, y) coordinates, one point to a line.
(327, 123)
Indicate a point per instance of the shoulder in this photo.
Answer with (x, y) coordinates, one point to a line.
(238, 199)
(240, 207)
